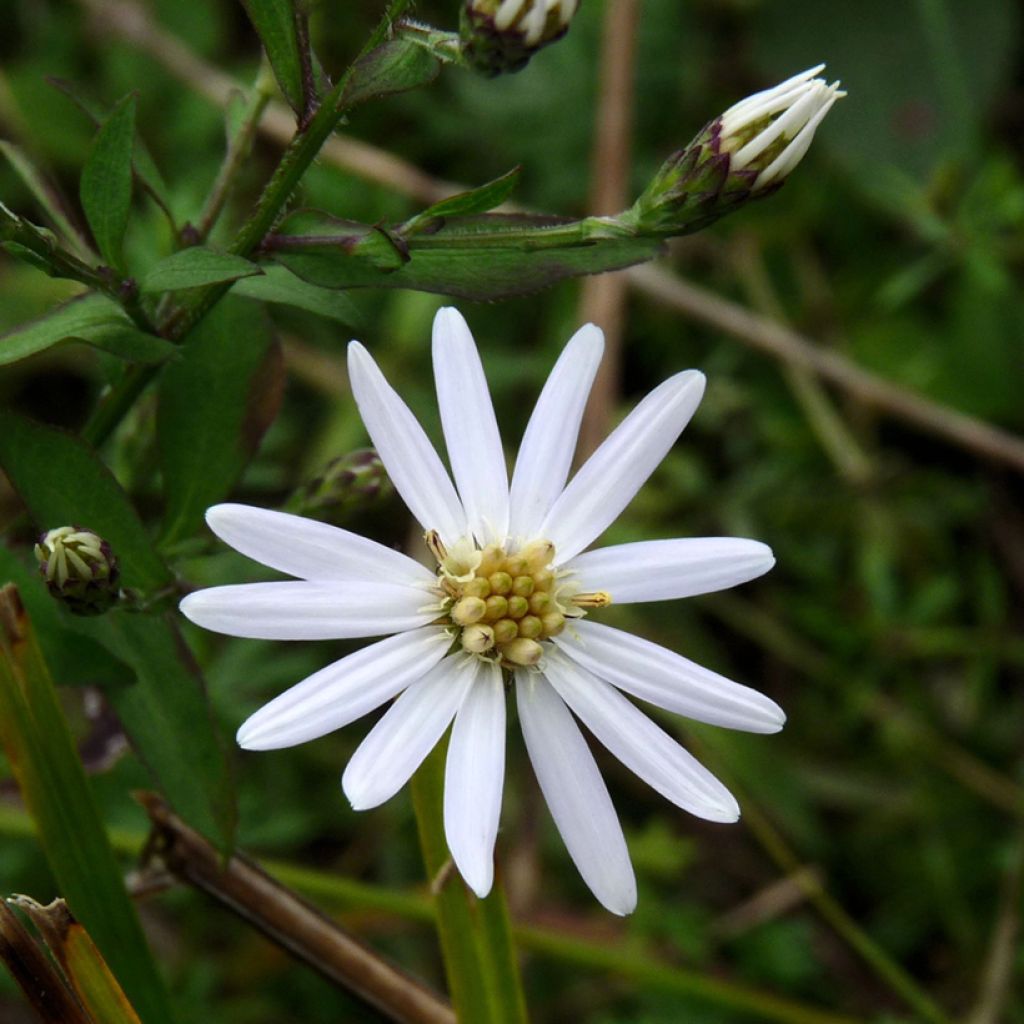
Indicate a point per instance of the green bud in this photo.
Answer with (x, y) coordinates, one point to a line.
(500, 36)
(744, 154)
(352, 480)
(79, 568)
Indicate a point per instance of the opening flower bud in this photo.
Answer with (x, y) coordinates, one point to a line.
(522, 652)
(79, 568)
(477, 639)
(500, 36)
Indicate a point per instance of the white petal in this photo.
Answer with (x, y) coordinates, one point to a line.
(610, 478)
(398, 743)
(639, 744)
(309, 549)
(661, 570)
(474, 773)
(345, 690)
(408, 456)
(575, 793)
(294, 610)
(542, 466)
(668, 680)
(470, 429)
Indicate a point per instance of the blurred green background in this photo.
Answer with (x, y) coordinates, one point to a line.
(890, 629)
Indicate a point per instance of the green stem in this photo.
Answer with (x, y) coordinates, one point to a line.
(352, 896)
(475, 934)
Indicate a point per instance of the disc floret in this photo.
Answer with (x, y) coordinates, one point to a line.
(503, 602)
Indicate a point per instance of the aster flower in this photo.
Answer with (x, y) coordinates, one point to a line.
(499, 36)
(509, 600)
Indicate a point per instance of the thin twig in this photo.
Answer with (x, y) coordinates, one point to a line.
(603, 296)
(289, 921)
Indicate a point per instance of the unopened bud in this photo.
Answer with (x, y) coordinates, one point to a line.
(468, 610)
(352, 480)
(500, 36)
(744, 154)
(79, 568)
(477, 639)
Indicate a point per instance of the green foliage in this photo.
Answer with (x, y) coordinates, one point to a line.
(106, 185)
(195, 267)
(274, 20)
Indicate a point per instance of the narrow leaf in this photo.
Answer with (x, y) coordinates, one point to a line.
(195, 267)
(394, 66)
(106, 185)
(168, 719)
(62, 481)
(274, 20)
(232, 360)
(45, 192)
(45, 762)
(280, 285)
(93, 319)
(478, 200)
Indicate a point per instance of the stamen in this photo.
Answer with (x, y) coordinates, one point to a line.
(436, 546)
(597, 599)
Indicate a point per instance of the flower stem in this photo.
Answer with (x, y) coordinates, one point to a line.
(476, 934)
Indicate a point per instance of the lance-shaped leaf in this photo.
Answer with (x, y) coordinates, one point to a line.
(81, 962)
(276, 22)
(493, 256)
(164, 710)
(93, 319)
(51, 779)
(46, 194)
(477, 200)
(195, 267)
(106, 184)
(279, 285)
(231, 358)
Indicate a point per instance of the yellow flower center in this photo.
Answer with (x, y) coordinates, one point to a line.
(502, 603)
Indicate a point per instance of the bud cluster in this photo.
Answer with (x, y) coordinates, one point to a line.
(346, 482)
(745, 153)
(502, 604)
(80, 569)
(500, 36)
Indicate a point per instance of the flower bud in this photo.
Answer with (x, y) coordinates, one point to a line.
(500, 36)
(522, 651)
(351, 480)
(744, 154)
(79, 568)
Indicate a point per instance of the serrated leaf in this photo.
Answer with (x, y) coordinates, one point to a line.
(394, 66)
(45, 761)
(274, 21)
(280, 285)
(106, 184)
(62, 481)
(231, 358)
(477, 200)
(195, 267)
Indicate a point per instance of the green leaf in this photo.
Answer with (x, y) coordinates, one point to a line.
(478, 200)
(62, 481)
(274, 20)
(195, 267)
(280, 285)
(467, 259)
(92, 319)
(394, 66)
(232, 360)
(42, 753)
(168, 719)
(106, 184)
(44, 191)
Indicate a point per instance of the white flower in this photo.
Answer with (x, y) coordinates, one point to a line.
(770, 131)
(506, 602)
